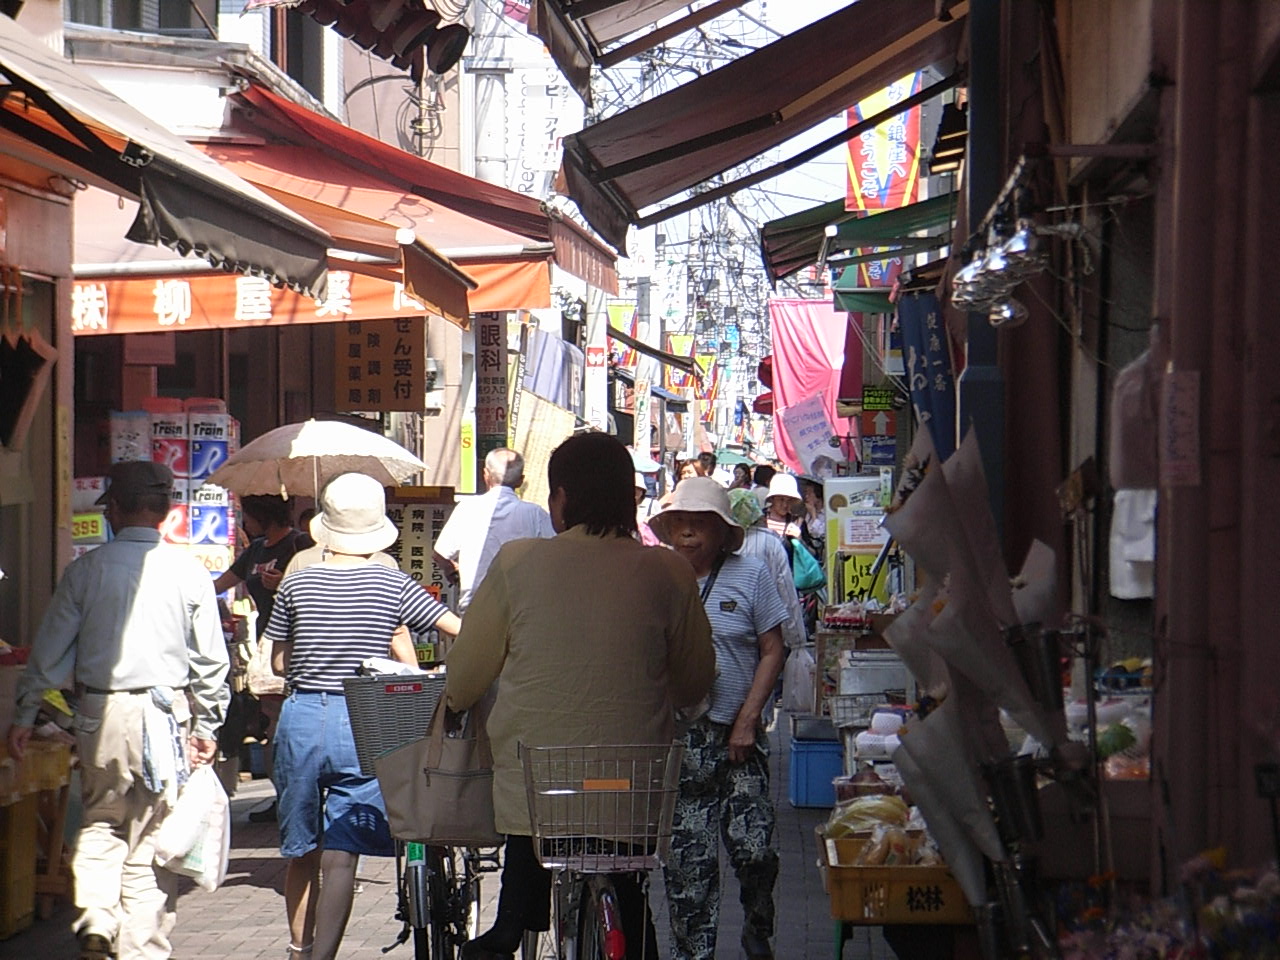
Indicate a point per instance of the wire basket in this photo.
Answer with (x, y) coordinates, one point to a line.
(602, 809)
(854, 709)
(389, 711)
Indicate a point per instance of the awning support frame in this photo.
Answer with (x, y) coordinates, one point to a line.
(803, 157)
(651, 39)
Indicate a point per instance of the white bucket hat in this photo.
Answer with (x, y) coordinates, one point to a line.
(783, 485)
(698, 495)
(353, 516)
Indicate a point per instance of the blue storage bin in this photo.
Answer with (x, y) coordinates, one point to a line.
(814, 764)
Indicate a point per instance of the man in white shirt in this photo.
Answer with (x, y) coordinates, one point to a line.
(480, 525)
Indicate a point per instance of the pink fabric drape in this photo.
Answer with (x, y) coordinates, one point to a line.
(809, 355)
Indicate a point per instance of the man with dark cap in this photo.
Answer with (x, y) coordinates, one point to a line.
(134, 628)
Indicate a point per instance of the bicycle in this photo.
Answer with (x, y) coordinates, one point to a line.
(437, 887)
(438, 896)
(597, 812)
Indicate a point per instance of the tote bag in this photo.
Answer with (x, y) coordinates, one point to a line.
(439, 789)
(805, 569)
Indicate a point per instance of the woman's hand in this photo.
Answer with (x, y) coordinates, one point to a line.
(742, 738)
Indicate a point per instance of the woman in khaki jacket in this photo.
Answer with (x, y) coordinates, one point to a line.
(593, 639)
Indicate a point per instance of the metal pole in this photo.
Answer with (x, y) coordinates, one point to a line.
(982, 383)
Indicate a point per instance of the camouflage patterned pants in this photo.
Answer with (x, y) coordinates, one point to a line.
(718, 799)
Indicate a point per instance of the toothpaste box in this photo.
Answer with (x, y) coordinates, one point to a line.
(176, 526)
(205, 457)
(209, 426)
(170, 443)
(181, 490)
(208, 495)
(210, 524)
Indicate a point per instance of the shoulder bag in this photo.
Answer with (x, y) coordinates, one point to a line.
(439, 789)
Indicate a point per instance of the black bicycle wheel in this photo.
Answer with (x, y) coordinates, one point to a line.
(444, 894)
(591, 944)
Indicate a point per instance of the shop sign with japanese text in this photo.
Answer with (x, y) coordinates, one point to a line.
(491, 382)
(380, 365)
(225, 301)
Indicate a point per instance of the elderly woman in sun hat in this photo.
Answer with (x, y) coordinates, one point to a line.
(326, 620)
(724, 779)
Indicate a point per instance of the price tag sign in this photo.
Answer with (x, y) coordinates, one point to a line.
(88, 528)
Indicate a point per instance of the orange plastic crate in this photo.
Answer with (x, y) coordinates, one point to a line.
(874, 896)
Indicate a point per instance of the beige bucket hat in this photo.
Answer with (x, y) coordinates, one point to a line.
(698, 495)
(353, 516)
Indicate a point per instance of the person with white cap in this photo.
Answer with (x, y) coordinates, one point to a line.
(327, 619)
(771, 549)
(724, 778)
(782, 505)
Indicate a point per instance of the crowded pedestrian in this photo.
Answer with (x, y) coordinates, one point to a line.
(783, 506)
(724, 779)
(134, 627)
(327, 619)
(707, 463)
(741, 477)
(761, 477)
(260, 567)
(479, 526)
(761, 542)
(643, 530)
(593, 639)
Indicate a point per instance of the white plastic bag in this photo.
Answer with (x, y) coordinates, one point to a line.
(195, 838)
(799, 678)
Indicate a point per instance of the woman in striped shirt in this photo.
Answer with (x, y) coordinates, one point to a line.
(327, 619)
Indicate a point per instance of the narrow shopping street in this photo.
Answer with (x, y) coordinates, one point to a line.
(244, 919)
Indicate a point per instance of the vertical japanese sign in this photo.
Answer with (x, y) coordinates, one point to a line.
(595, 385)
(491, 383)
(641, 438)
(380, 364)
(884, 166)
(420, 513)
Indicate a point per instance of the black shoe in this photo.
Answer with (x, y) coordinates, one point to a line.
(756, 948)
(265, 814)
(475, 950)
(94, 946)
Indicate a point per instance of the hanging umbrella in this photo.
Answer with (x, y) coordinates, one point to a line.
(730, 458)
(298, 458)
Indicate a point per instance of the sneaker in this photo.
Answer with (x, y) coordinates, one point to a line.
(95, 946)
(265, 814)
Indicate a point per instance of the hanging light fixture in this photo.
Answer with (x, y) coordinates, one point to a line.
(1022, 251)
(1007, 312)
(964, 283)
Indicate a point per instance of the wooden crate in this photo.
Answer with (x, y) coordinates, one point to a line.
(875, 896)
(17, 865)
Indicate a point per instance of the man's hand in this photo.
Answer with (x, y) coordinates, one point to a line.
(271, 579)
(742, 739)
(17, 741)
(202, 751)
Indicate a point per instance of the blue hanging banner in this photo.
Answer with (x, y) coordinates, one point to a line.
(928, 365)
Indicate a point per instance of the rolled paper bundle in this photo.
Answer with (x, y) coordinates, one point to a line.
(961, 854)
(906, 635)
(1036, 597)
(937, 746)
(967, 486)
(967, 636)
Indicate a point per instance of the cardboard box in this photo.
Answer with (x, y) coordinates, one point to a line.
(130, 436)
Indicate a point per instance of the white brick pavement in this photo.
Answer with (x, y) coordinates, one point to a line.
(244, 919)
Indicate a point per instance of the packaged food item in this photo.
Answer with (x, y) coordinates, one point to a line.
(866, 813)
(889, 847)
